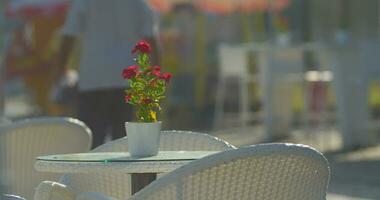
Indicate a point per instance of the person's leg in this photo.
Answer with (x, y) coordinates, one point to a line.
(120, 112)
(91, 111)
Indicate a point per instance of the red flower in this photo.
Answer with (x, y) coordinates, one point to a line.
(127, 98)
(130, 72)
(142, 47)
(157, 68)
(156, 71)
(147, 101)
(166, 77)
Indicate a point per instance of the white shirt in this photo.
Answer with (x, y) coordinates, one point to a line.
(110, 28)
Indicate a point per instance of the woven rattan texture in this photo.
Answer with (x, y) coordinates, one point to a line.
(23, 141)
(117, 185)
(263, 172)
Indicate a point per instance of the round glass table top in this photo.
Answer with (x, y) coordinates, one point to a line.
(105, 157)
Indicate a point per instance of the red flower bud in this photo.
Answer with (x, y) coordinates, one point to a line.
(147, 101)
(142, 47)
(156, 73)
(130, 72)
(157, 68)
(166, 77)
(127, 98)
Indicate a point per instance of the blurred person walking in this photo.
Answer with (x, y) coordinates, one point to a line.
(109, 30)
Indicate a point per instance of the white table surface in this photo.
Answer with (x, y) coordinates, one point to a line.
(165, 161)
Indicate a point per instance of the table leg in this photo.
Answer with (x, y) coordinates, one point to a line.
(139, 181)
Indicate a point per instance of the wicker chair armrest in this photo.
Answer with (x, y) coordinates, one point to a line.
(48, 190)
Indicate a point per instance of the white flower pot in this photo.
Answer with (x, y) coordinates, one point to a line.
(143, 138)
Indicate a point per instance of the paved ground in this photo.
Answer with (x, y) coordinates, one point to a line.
(355, 174)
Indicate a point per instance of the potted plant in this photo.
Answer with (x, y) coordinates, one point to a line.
(146, 90)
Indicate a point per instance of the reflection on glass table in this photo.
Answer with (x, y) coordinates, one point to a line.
(143, 170)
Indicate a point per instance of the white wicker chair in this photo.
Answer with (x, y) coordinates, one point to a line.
(117, 185)
(265, 172)
(23, 141)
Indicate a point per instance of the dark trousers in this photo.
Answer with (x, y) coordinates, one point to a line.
(103, 111)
